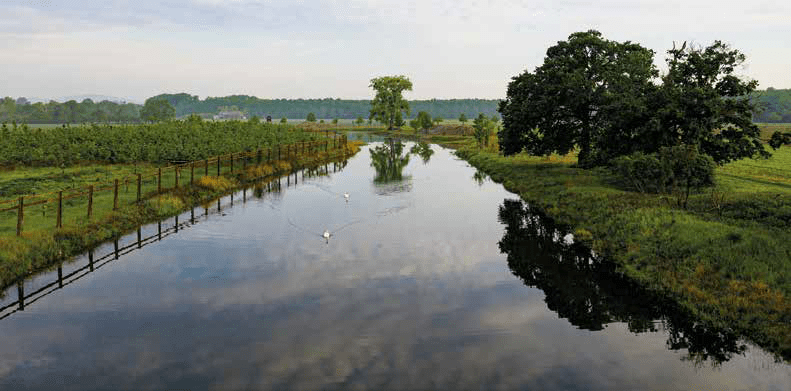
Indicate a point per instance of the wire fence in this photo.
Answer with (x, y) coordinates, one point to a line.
(57, 209)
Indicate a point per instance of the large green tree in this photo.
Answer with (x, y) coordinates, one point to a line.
(388, 100)
(156, 110)
(587, 89)
(702, 102)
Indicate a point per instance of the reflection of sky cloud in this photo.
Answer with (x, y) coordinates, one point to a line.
(379, 307)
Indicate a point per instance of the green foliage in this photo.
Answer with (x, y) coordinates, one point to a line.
(388, 100)
(156, 110)
(189, 139)
(437, 120)
(597, 95)
(483, 129)
(23, 111)
(462, 118)
(311, 117)
(587, 89)
(359, 121)
(779, 139)
(335, 121)
(423, 121)
(283, 120)
(676, 170)
(399, 120)
(702, 102)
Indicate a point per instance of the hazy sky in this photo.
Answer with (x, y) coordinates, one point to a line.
(332, 48)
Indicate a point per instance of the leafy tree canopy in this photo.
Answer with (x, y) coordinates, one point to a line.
(701, 102)
(601, 97)
(388, 99)
(423, 121)
(586, 87)
(157, 110)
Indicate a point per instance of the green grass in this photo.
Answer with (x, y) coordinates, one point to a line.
(730, 264)
(758, 175)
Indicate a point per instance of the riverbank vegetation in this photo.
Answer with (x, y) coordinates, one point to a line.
(726, 256)
(116, 203)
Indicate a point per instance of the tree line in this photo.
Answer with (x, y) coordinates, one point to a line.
(22, 111)
(774, 105)
(186, 104)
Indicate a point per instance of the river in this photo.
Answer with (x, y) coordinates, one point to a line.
(433, 277)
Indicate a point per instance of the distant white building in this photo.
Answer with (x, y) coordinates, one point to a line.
(226, 115)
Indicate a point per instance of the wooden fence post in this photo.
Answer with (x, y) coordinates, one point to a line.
(20, 292)
(159, 180)
(259, 156)
(176, 171)
(115, 195)
(139, 186)
(192, 172)
(90, 202)
(20, 216)
(231, 162)
(218, 165)
(207, 168)
(59, 221)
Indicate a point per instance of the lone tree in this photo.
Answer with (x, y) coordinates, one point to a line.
(462, 118)
(579, 94)
(155, 110)
(311, 117)
(388, 100)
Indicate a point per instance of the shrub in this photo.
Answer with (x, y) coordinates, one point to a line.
(676, 170)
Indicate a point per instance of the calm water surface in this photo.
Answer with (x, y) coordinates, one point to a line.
(440, 280)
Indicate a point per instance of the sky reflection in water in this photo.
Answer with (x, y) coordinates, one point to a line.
(415, 293)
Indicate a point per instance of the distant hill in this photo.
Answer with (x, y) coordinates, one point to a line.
(186, 104)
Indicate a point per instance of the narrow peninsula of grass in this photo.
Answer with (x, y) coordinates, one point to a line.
(727, 257)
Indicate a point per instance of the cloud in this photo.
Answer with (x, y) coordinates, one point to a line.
(320, 48)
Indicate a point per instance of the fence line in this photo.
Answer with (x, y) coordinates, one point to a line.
(164, 178)
(94, 263)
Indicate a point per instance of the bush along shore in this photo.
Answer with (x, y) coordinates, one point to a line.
(726, 256)
(38, 249)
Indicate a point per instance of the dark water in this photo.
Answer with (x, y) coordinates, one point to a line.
(440, 280)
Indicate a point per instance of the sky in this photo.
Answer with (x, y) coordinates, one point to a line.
(332, 48)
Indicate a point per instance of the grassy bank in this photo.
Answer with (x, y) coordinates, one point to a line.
(727, 258)
(40, 245)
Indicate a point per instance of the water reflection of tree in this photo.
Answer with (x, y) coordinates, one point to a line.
(388, 161)
(423, 150)
(590, 293)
